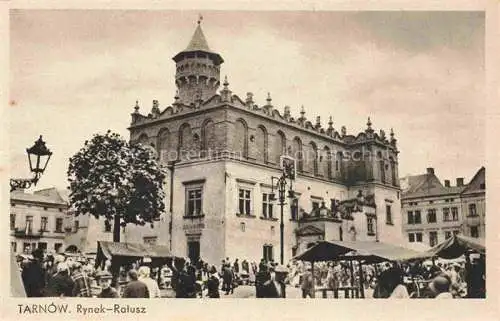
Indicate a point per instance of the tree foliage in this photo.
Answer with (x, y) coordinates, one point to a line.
(108, 177)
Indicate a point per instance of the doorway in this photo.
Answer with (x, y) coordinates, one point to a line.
(193, 251)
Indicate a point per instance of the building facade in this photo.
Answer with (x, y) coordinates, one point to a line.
(474, 206)
(37, 221)
(222, 151)
(433, 212)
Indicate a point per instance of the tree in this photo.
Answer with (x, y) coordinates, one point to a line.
(112, 179)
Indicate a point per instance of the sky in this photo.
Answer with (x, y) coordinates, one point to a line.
(79, 72)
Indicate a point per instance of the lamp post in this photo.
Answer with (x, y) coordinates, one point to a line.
(38, 158)
(279, 184)
(171, 168)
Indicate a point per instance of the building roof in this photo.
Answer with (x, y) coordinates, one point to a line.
(477, 183)
(198, 41)
(47, 196)
(428, 185)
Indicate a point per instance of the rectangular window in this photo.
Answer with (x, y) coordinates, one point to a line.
(107, 226)
(431, 215)
(59, 224)
(194, 201)
(370, 225)
(268, 253)
(29, 224)
(418, 217)
(13, 246)
(418, 237)
(26, 248)
(447, 234)
(474, 231)
(455, 232)
(150, 240)
(57, 247)
(388, 215)
(315, 205)
(454, 213)
(433, 238)
(245, 201)
(411, 219)
(411, 237)
(42, 246)
(446, 214)
(12, 221)
(472, 210)
(267, 206)
(43, 223)
(77, 226)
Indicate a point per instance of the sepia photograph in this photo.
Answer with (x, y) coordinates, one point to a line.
(209, 154)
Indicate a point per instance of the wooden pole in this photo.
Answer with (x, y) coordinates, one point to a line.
(361, 280)
(313, 294)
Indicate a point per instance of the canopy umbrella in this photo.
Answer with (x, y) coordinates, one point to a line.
(370, 252)
(456, 246)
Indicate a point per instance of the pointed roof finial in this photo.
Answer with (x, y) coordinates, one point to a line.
(200, 19)
(136, 107)
(392, 133)
(330, 122)
(269, 99)
(302, 111)
(369, 123)
(226, 83)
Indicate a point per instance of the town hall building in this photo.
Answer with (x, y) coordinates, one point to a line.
(222, 150)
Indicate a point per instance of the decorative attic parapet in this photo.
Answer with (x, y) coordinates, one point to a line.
(268, 110)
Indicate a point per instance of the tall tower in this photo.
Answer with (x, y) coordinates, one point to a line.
(197, 74)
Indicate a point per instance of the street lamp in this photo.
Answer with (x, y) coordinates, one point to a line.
(279, 184)
(38, 158)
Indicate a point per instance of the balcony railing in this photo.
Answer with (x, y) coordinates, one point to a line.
(23, 232)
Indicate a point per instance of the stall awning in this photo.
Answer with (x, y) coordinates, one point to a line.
(369, 252)
(456, 246)
(119, 250)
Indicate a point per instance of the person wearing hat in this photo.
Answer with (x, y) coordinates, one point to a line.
(440, 286)
(261, 278)
(135, 288)
(81, 281)
(61, 284)
(275, 287)
(213, 283)
(33, 275)
(104, 279)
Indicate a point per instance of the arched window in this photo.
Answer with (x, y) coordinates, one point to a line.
(163, 143)
(326, 161)
(313, 161)
(261, 144)
(240, 145)
(393, 171)
(185, 140)
(381, 166)
(207, 137)
(297, 153)
(143, 139)
(280, 145)
(339, 163)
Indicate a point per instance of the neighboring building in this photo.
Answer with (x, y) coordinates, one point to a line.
(84, 231)
(474, 206)
(228, 149)
(432, 212)
(37, 221)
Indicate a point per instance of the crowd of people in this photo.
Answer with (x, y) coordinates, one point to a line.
(68, 276)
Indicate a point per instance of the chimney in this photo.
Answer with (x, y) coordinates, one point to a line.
(430, 170)
(446, 183)
(460, 181)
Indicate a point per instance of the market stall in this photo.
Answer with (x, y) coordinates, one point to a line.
(126, 253)
(363, 252)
